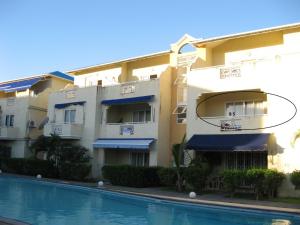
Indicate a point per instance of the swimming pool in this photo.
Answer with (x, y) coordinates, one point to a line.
(38, 202)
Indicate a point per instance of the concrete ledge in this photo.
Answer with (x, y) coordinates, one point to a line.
(211, 202)
(6, 221)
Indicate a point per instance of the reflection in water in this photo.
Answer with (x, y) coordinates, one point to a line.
(43, 203)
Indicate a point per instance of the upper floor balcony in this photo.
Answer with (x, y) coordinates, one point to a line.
(8, 133)
(131, 120)
(64, 130)
(131, 89)
(243, 111)
(254, 74)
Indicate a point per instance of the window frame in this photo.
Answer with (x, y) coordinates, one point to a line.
(9, 120)
(144, 120)
(182, 115)
(68, 112)
(264, 103)
(134, 158)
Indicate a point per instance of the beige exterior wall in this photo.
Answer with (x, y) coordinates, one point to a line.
(29, 108)
(267, 62)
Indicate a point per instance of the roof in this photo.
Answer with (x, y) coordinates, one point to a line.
(28, 82)
(122, 61)
(244, 34)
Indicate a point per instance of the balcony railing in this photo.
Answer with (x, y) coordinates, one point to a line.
(214, 125)
(8, 133)
(129, 130)
(64, 130)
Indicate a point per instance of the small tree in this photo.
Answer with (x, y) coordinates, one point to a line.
(177, 152)
(61, 153)
(295, 179)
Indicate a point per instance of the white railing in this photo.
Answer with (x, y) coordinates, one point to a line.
(64, 130)
(214, 125)
(129, 130)
(8, 132)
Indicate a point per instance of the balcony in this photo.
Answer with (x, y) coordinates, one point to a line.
(129, 130)
(130, 89)
(222, 125)
(8, 133)
(244, 75)
(65, 131)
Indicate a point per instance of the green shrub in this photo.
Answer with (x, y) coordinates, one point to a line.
(233, 179)
(256, 178)
(272, 180)
(295, 179)
(30, 167)
(195, 177)
(264, 181)
(167, 176)
(74, 171)
(131, 176)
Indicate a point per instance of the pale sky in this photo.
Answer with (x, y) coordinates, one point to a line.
(42, 36)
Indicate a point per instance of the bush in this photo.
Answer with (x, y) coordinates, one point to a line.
(233, 179)
(272, 180)
(195, 177)
(264, 181)
(30, 167)
(295, 179)
(167, 176)
(74, 171)
(131, 176)
(256, 178)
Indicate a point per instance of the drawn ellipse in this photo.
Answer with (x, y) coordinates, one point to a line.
(282, 110)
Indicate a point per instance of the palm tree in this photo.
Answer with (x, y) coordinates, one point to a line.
(177, 151)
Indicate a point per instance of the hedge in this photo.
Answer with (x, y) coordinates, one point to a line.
(263, 181)
(30, 167)
(74, 171)
(167, 176)
(132, 176)
(195, 177)
(295, 179)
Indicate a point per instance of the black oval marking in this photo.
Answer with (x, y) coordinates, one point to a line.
(258, 128)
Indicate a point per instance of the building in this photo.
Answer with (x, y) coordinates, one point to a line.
(242, 101)
(23, 110)
(234, 96)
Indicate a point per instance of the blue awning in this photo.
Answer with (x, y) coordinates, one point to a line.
(19, 85)
(124, 143)
(65, 105)
(119, 101)
(62, 75)
(229, 142)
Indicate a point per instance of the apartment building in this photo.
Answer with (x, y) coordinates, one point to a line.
(243, 99)
(234, 96)
(23, 110)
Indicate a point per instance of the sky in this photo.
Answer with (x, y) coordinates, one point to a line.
(40, 36)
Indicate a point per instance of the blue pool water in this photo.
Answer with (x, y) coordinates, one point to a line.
(38, 202)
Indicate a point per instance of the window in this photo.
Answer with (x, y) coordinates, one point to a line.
(141, 116)
(245, 160)
(247, 108)
(139, 159)
(9, 120)
(153, 76)
(180, 112)
(70, 115)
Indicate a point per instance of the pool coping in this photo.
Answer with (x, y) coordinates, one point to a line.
(7, 221)
(200, 202)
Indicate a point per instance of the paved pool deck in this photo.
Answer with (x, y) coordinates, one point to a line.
(160, 193)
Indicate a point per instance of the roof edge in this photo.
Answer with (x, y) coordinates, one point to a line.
(122, 61)
(246, 33)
